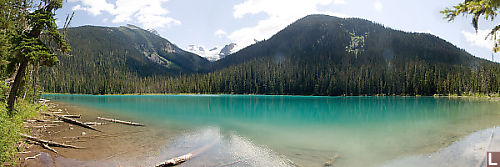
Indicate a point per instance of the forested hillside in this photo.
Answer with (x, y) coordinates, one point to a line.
(316, 55)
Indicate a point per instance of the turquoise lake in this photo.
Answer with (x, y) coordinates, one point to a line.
(260, 130)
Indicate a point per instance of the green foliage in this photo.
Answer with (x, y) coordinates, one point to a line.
(477, 8)
(34, 50)
(10, 127)
(3, 90)
(4, 52)
(35, 43)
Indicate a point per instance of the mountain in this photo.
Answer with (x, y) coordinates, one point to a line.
(213, 54)
(316, 55)
(351, 38)
(119, 53)
(143, 51)
(326, 55)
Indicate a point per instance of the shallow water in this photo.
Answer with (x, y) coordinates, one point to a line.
(251, 130)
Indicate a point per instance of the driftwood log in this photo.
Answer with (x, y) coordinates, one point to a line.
(42, 126)
(71, 116)
(176, 161)
(93, 123)
(48, 148)
(71, 121)
(331, 160)
(48, 142)
(120, 121)
(33, 157)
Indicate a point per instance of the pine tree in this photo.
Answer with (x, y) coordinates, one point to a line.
(37, 43)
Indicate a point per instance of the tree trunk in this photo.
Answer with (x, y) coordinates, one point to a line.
(35, 81)
(26, 89)
(15, 87)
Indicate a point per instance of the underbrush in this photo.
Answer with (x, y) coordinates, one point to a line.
(11, 127)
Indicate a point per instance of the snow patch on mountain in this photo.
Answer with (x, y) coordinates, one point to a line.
(213, 54)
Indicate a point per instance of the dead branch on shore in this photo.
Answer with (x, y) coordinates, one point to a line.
(33, 157)
(48, 148)
(48, 142)
(43, 120)
(176, 161)
(43, 126)
(72, 121)
(71, 116)
(331, 160)
(120, 121)
(24, 152)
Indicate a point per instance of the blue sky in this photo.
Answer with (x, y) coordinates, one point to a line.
(219, 22)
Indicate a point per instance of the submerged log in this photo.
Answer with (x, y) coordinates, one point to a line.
(72, 121)
(120, 121)
(48, 142)
(176, 161)
(93, 123)
(331, 160)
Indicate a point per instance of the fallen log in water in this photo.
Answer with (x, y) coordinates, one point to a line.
(176, 161)
(120, 121)
(93, 123)
(331, 160)
(48, 142)
(71, 121)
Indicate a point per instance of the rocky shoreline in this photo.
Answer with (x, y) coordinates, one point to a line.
(107, 144)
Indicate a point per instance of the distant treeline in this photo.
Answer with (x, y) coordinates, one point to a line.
(266, 76)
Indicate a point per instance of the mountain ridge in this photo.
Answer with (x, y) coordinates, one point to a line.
(326, 19)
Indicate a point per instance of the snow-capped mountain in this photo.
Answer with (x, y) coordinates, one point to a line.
(227, 50)
(213, 54)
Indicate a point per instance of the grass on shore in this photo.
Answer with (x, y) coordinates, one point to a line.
(10, 127)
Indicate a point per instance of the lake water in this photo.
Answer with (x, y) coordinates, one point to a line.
(253, 130)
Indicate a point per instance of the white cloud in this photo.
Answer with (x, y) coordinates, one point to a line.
(94, 7)
(339, 2)
(148, 13)
(280, 14)
(220, 33)
(479, 38)
(378, 6)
